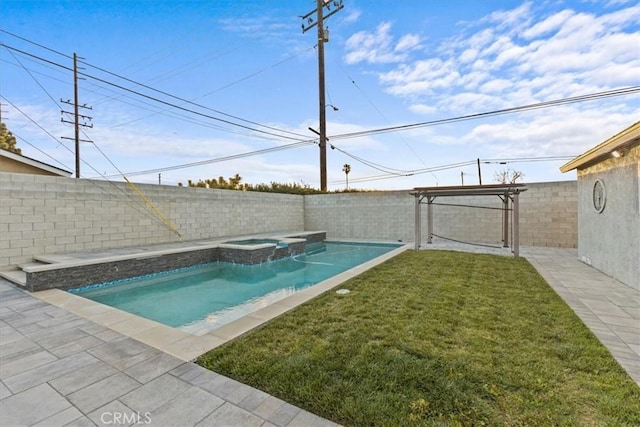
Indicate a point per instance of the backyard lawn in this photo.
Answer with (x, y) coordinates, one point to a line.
(437, 338)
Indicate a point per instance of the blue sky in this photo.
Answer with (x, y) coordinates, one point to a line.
(388, 64)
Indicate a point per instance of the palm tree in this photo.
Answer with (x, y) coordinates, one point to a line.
(346, 169)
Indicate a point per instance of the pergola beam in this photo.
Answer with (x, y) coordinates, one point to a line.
(504, 191)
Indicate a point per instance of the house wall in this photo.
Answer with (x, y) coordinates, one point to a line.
(10, 165)
(610, 241)
(548, 216)
(52, 215)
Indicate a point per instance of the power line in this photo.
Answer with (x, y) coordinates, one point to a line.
(219, 159)
(459, 165)
(171, 104)
(539, 105)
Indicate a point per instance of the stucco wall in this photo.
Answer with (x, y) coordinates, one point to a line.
(548, 216)
(46, 215)
(610, 241)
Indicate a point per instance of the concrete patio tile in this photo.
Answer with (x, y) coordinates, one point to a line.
(63, 320)
(55, 338)
(82, 422)
(8, 334)
(61, 418)
(153, 367)
(4, 391)
(114, 413)
(276, 411)
(19, 320)
(623, 350)
(635, 348)
(307, 419)
(102, 392)
(154, 394)
(230, 415)
(182, 369)
(213, 383)
(186, 409)
(110, 316)
(81, 378)
(160, 335)
(192, 373)
(606, 308)
(48, 372)
(123, 352)
(75, 346)
(239, 394)
(16, 347)
(271, 311)
(29, 330)
(26, 363)
(133, 326)
(93, 328)
(193, 346)
(237, 327)
(254, 399)
(629, 337)
(107, 335)
(632, 312)
(32, 406)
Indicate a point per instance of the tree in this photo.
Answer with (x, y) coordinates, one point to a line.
(7, 140)
(508, 176)
(346, 169)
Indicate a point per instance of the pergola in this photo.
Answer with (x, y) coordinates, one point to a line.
(506, 192)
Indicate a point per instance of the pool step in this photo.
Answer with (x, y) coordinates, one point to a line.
(18, 277)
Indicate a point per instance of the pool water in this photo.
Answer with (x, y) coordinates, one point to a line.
(201, 298)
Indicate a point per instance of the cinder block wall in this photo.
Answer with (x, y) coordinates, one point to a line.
(46, 215)
(548, 216)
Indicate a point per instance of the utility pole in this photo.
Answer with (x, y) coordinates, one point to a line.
(323, 36)
(479, 172)
(76, 115)
(1, 105)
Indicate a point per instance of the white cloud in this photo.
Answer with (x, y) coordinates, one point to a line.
(519, 56)
(379, 47)
(549, 25)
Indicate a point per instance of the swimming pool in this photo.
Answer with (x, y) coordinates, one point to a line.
(201, 298)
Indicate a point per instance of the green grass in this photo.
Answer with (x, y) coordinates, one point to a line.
(437, 338)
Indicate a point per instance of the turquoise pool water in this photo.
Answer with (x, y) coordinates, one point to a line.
(200, 298)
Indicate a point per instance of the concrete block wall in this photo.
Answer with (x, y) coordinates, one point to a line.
(548, 216)
(46, 215)
(54, 215)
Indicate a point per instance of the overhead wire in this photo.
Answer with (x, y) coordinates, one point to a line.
(225, 87)
(279, 135)
(136, 204)
(538, 105)
(220, 159)
(375, 107)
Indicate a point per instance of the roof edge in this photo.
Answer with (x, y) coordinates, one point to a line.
(35, 163)
(603, 149)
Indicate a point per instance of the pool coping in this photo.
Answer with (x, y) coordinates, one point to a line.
(186, 346)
